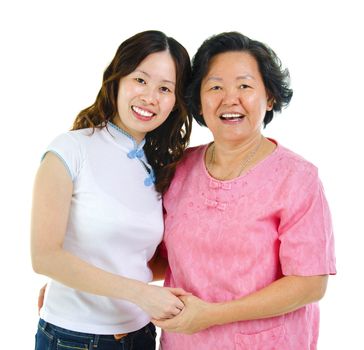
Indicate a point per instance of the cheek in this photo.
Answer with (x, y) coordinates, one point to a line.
(257, 103)
(207, 106)
(124, 94)
(168, 104)
(129, 90)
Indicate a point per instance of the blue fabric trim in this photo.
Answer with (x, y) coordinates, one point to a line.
(138, 153)
(122, 131)
(136, 146)
(63, 161)
(150, 180)
(135, 153)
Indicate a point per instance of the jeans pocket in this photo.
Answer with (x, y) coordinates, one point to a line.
(43, 340)
(270, 339)
(144, 339)
(71, 345)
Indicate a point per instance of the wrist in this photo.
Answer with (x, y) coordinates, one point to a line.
(217, 314)
(132, 290)
(213, 313)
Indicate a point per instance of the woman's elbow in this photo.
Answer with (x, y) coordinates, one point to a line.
(42, 261)
(319, 287)
(37, 263)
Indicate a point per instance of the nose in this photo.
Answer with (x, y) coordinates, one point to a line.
(150, 96)
(231, 97)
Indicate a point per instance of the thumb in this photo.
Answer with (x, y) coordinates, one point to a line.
(157, 323)
(179, 292)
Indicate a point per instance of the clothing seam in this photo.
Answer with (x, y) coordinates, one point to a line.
(60, 158)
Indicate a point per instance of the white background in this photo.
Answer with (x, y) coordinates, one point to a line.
(53, 54)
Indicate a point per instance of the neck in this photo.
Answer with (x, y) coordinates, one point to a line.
(227, 161)
(231, 153)
(138, 137)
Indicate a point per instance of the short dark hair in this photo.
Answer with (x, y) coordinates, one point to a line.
(276, 79)
(165, 145)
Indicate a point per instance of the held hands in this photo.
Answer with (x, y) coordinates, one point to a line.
(158, 302)
(195, 316)
(161, 302)
(172, 309)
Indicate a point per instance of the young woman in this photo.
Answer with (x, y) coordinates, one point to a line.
(97, 213)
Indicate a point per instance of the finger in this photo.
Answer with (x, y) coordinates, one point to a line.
(184, 298)
(171, 314)
(179, 291)
(161, 323)
(40, 300)
(157, 323)
(180, 305)
(39, 307)
(176, 311)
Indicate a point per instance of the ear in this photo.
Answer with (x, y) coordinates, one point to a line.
(270, 103)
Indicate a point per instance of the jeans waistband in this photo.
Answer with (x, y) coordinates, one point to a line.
(94, 338)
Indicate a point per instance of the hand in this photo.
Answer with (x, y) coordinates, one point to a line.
(41, 297)
(159, 302)
(196, 316)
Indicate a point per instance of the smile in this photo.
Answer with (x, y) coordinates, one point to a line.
(142, 114)
(232, 116)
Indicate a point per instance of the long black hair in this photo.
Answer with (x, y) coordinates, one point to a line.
(165, 145)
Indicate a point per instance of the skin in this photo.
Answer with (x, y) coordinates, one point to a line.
(53, 190)
(233, 84)
(150, 88)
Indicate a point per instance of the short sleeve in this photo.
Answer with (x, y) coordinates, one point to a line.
(305, 231)
(68, 150)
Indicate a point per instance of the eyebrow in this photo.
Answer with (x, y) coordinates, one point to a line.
(148, 75)
(239, 77)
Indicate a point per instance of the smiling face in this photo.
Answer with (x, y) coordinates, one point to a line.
(233, 97)
(146, 96)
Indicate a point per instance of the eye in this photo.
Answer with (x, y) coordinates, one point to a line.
(244, 86)
(140, 81)
(165, 89)
(216, 87)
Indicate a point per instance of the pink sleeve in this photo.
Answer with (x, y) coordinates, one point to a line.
(305, 230)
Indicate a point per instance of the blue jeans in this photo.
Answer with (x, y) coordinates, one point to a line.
(51, 337)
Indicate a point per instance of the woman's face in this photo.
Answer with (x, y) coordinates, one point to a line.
(233, 97)
(147, 95)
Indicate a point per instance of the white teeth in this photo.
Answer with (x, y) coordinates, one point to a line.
(231, 115)
(142, 111)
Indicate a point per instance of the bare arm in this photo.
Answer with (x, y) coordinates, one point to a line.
(51, 203)
(158, 265)
(282, 296)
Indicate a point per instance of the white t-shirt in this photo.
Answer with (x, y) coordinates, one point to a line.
(115, 223)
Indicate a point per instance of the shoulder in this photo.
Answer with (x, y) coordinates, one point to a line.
(71, 148)
(187, 170)
(73, 135)
(193, 155)
(77, 138)
(295, 165)
(84, 135)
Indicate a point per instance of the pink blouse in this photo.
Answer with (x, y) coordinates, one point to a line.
(227, 239)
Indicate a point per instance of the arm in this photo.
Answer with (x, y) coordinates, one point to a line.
(51, 203)
(41, 297)
(158, 265)
(280, 297)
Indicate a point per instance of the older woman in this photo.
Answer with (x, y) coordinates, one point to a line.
(250, 235)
